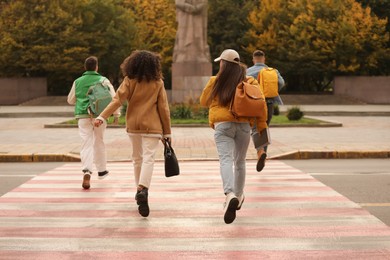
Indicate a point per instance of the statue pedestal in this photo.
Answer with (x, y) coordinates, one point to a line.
(188, 80)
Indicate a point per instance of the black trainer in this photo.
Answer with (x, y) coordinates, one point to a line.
(261, 161)
(142, 202)
(102, 175)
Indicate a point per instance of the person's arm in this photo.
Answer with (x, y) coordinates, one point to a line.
(117, 113)
(280, 81)
(204, 97)
(72, 95)
(164, 113)
(117, 101)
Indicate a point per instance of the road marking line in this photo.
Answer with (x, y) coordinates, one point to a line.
(13, 175)
(386, 204)
(348, 173)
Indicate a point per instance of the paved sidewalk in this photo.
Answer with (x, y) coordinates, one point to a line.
(25, 138)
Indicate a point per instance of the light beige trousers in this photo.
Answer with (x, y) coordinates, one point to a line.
(144, 151)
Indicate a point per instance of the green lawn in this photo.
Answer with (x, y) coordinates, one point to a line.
(283, 120)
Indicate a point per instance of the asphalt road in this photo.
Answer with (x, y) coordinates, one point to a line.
(13, 175)
(364, 181)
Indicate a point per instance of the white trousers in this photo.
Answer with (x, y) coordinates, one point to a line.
(93, 149)
(144, 151)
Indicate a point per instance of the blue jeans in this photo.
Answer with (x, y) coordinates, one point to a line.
(232, 140)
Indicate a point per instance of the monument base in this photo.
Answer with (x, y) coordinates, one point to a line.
(188, 80)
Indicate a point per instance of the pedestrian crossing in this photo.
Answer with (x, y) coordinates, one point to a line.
(287, 214)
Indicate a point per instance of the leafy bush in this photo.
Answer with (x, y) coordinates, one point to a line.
(181, 111)
(199, 112)
(294, 114)
(188, 111)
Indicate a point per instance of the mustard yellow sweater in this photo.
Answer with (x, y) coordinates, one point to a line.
(218, 113)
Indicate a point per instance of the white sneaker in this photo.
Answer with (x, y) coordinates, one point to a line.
(230, 208)
(240, 201)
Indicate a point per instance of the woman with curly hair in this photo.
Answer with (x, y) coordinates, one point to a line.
(147, 116)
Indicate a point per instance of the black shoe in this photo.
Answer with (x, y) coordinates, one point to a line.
(142, 202)
(261, 162)
(138, 191)
(102, 175)
(230, 208)
(240, 201)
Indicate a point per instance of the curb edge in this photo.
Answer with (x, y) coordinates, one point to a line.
(295, 155)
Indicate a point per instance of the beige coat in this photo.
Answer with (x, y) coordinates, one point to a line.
(147, 107)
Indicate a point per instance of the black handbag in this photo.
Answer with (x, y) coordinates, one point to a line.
(171, 163)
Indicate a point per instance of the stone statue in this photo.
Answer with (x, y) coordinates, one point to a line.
(191, 66)
(191, 36)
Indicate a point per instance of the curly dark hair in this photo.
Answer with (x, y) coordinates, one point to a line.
(142, 65)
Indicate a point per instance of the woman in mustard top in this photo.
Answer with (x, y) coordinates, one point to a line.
(232, 135)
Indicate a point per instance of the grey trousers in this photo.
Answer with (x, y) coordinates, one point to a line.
(232, 141)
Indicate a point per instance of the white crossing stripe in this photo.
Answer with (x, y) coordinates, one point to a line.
(286, 213)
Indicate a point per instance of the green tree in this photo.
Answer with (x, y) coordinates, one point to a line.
(52, 38)
(312, 41)
(110, 30)
(227, 24)
(155, 22)
(382, 9)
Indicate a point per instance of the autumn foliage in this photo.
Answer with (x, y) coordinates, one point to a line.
(309, 41)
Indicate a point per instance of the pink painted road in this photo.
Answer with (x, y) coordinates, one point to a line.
(287, 214)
